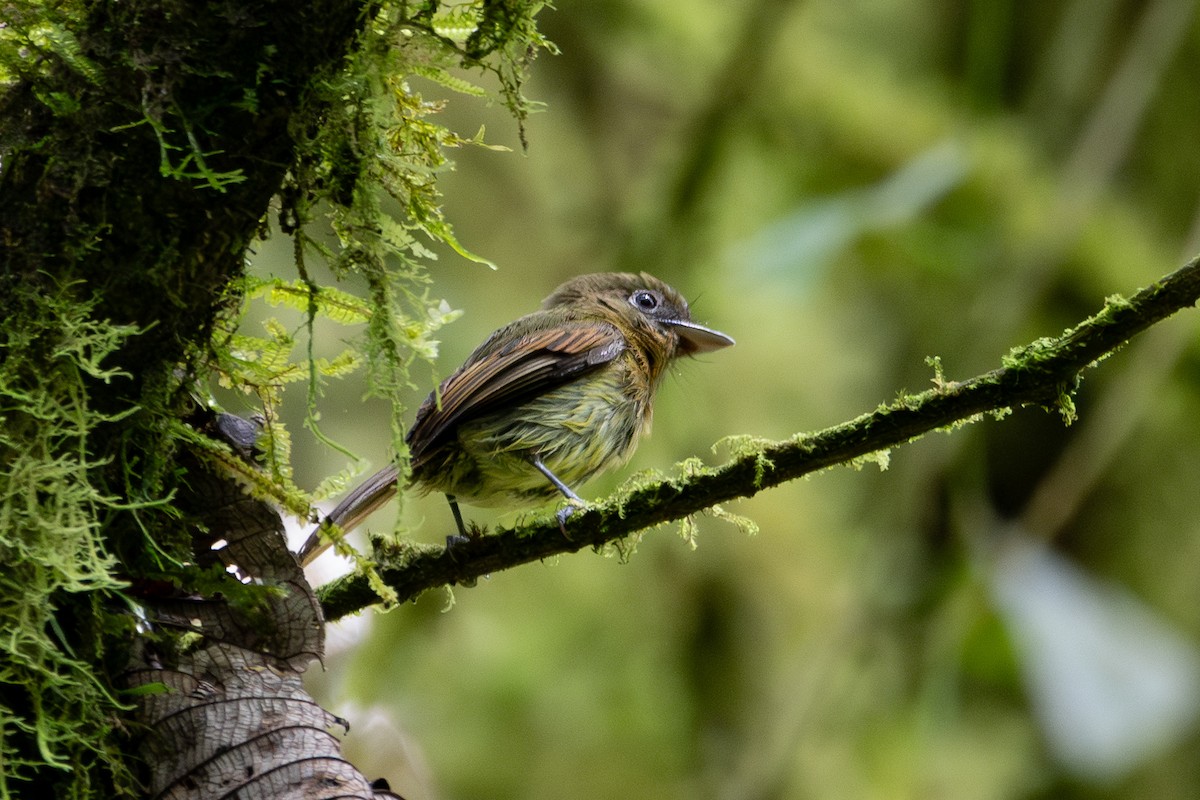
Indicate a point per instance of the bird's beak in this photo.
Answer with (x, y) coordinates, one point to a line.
(695, 339)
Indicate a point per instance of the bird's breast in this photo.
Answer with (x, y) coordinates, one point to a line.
(577, 430)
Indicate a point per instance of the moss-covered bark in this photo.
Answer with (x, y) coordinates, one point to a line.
(141, 144)
(138, 162)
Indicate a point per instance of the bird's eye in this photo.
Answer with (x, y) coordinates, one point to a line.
(644, 300)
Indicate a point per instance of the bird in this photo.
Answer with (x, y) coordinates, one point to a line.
(543, 404)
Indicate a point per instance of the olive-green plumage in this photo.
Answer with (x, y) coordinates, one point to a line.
(548, 401)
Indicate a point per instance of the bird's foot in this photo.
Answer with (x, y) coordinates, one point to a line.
(573, 504)
(457, 540)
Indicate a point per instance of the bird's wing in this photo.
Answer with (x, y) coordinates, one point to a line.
(507, 370)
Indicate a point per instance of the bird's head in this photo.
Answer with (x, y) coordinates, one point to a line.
(641, 301)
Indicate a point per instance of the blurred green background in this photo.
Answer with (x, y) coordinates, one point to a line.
(1008, 611)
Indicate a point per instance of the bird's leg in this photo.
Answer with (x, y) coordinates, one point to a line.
(574, 501)
(460, 538)
(558, 484)
(458, 520)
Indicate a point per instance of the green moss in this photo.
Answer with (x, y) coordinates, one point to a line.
(54, 709)
(123, 289)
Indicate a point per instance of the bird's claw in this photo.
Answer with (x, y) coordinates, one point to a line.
(564, 513)
(453, 541)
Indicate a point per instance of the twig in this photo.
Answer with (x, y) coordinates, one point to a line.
(1043, 373)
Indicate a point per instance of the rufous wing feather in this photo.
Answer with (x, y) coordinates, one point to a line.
(506, 372)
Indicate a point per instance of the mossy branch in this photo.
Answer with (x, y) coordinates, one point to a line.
(1043, 373)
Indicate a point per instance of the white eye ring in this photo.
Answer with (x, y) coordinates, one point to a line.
(644, 300)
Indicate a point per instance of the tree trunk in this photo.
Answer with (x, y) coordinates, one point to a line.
(141, 144)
